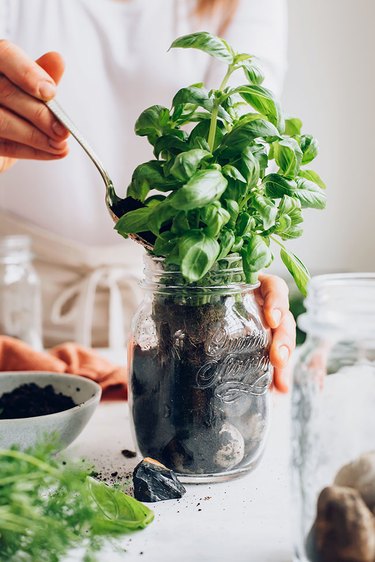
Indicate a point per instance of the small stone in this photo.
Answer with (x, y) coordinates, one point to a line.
(128, 454)
(344, 528)
(232, 448)
(360, 474)
(154, 482)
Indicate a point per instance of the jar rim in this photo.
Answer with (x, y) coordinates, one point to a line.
(340, 302)
(15, 247)
(340, 278)
(155, 275)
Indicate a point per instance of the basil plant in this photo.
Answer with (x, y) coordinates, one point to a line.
(228, 176)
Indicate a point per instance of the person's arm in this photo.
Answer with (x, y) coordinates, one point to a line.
(27, 127)
(273, 297)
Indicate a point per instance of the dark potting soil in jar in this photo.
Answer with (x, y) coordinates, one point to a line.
(30, 400)
(196, 404)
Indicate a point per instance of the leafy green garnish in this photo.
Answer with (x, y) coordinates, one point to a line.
(48, 508)
(229, 170)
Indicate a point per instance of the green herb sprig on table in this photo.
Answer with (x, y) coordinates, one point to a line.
(216, 192)
(48, 508)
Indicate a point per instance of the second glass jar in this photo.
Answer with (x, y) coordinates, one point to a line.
(200, 372)
(20, 298)
(333, 422)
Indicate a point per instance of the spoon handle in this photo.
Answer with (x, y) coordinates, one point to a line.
(58, 112)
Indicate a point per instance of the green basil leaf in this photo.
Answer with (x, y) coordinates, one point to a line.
(287, 231)
(209, 212)
(227, 239)
(241, 56)
(152, 122)
(289, 218)
(117, 512)
(309, 194)
(187, 163)
(244, 224)
(309, 146)
(288, 206)
(149, 176)
(204, 41)
(312, 176)
(266, 209)
(297, 270)
(134, 221)
(201, 131)
(249, 165)
(198, 254)
(161, 214)
(235, 191)
(195, 95)
(277, 186)
(259, 151)
(232, 172)
(199, 142)
(216, 222)
(154, 200)
(233, 209)
(203, 187)
(180, 223)
(241, 136)
(263, 101)
(253, 71)
(173, 143)
(284, 226)
(288, 156)
(248, 117)
(257, 253)
(293, 126)
(238, 243)
(200, 97)
(165, 243)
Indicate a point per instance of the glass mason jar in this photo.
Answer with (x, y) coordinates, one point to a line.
(333, 421)
(200, 372)
(20, 300)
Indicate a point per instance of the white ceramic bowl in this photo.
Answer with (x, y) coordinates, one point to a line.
(67, 425)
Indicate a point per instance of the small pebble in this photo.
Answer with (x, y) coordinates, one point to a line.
(128, 454)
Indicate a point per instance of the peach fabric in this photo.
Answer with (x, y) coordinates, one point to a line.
(16, 355)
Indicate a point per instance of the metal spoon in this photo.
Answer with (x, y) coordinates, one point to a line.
(111, 198)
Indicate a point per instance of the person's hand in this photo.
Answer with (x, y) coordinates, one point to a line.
(27, 127)
(273, 297)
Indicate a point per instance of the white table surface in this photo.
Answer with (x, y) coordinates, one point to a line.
(245, 520)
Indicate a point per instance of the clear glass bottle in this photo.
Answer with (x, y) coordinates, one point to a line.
(333, 416)
(200, 372)
(20, 300)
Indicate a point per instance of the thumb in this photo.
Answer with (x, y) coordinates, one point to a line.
(53, 64)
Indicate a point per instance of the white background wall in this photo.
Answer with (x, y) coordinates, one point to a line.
(330, 85)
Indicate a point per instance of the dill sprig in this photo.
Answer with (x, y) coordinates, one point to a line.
(48, 507)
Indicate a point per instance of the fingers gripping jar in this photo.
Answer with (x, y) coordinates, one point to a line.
(20, 300)
(333, 421)
(200, 373)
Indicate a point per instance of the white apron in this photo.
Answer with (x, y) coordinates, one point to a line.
(89, 293)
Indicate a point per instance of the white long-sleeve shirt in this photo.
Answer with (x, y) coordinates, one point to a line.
(117, 64)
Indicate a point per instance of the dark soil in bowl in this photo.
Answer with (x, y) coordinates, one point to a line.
(30, 400)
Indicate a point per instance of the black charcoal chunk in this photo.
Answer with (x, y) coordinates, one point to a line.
(153, 482)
